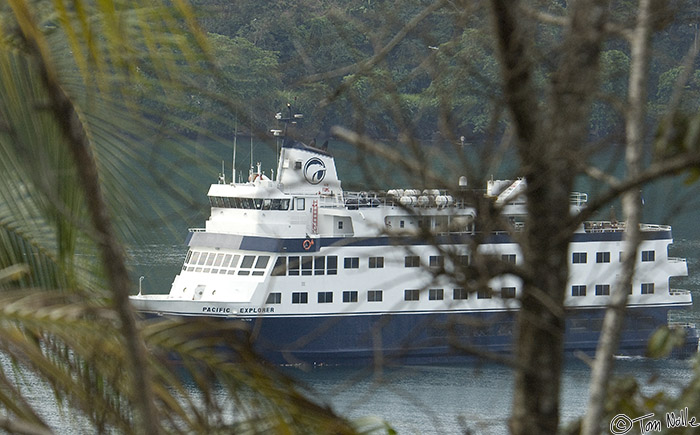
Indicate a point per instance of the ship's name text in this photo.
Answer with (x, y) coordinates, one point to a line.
(249, 310)
(216, 310)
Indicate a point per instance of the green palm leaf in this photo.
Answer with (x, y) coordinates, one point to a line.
(94, 79)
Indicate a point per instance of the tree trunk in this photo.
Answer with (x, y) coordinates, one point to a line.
(545, 144)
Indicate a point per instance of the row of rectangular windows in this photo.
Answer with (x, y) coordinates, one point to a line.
(438, 294)
(434, 294)
(604, 257)
(647, 288)
(219, 263)
(213, 262)
(328, 265)
(250, 203)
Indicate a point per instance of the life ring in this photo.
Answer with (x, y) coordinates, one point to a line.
(307, 244)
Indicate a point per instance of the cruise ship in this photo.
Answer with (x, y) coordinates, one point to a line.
(320, 275)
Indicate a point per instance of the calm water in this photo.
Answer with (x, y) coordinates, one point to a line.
(450, 399)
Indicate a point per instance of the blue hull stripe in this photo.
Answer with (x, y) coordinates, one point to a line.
(270, 244)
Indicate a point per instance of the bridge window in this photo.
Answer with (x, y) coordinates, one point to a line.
(306, 264)
(332, 265)
(294, 265)
(319, 265)
(280, 268)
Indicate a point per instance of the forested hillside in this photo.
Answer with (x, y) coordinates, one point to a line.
(335, 58)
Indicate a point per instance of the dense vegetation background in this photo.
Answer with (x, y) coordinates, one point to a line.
(315, 54)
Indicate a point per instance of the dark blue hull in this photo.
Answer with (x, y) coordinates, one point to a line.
(434, 337)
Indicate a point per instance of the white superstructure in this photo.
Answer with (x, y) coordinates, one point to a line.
(299, 247)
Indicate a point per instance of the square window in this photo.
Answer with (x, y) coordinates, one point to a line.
(507, 292)
(647, 288)
(376, 262)
(300, 297)
(463, 260)
(508, 258)
(325, 297)
(602, 257)
(436, 294)
(483, 294)
(602, 289)
(459, 294)
(437, 261)
(350, 296)
(274, 298)
(411, 295)
(648, 255)
(579, 257)
(578, 290)
(352, 262)
(374, 296)
(412, 261)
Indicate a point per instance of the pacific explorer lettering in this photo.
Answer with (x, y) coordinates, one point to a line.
(256, 310)
(216, 310)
